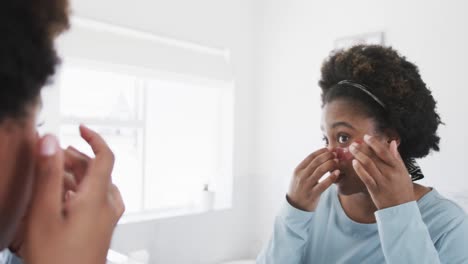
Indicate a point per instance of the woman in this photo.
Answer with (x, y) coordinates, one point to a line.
(35, 220)
(378, 116)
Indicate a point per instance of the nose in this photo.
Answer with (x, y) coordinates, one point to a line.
(331, 147)
(335, 149)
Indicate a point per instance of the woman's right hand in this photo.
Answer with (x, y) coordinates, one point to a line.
(78, 230)
(305, 188)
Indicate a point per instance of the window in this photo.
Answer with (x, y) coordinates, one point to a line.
(170, 136)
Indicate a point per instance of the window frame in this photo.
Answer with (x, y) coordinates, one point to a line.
(144, 76)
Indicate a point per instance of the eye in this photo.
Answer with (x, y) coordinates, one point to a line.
(325, 140)
(343, 139)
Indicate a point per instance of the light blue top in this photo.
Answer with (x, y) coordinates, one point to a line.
(431, 230)
(6, 257)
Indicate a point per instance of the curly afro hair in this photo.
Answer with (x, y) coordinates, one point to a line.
(410, 108)
(27, 54)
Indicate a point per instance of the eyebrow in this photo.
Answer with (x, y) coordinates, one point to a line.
(338, 124)
(345, 124)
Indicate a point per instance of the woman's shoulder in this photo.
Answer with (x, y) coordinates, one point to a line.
(434, 201)
(441, 213)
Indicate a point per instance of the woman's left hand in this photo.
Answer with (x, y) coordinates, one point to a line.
(76, 164)
(381, 168)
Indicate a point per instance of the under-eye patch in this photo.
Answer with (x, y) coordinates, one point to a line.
(343, 154)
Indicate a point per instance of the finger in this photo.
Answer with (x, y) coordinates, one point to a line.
(100, 168)
(309, 159)
(69, 182)
(325, 184)
(394, 151)
(69, 200)
(321, 170)
(69, 195)
(380, 149)
(76, 162)
(96, 142)
(365, 177)
(47, 195)
(117, 201)
(366, 162)
(319, 160)
(396, 154)
(368, 151)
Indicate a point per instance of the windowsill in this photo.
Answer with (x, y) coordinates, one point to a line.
(165, 214)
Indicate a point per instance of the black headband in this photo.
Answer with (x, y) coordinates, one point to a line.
(364, 89)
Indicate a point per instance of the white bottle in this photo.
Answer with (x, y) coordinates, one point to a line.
(207, 199)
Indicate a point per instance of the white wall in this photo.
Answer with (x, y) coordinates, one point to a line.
(217, 236)
(277, 47)
(294, 37)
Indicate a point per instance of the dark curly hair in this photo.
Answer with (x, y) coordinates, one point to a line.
(410, 108)
(27, 54)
